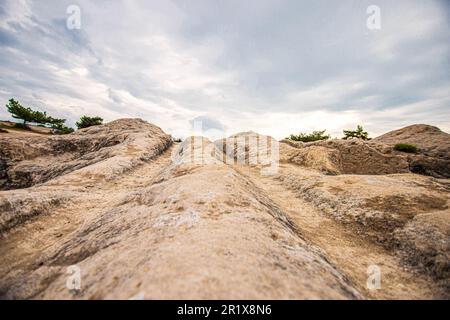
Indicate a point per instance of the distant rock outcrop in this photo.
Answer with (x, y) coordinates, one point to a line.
(376, 156)
(433, 156)
(430, 140)
(344, 157)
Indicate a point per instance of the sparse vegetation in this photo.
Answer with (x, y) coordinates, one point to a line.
(20, 112)
(405, 147)
(359, 133)
(3, 130)
(305, 137)
(86, 122)
(64, 130)
(59, 127)
(27, 114)
(177, 140)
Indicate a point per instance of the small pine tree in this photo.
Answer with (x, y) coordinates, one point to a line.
(359, 133)
(86, 122)
(28, 115)
(55, 123)
(65, 130)
(19, 112)
(40, 117)
(58, 125)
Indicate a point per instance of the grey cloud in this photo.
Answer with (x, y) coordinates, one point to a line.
(207, 123)
(7, 39)
(113, 96)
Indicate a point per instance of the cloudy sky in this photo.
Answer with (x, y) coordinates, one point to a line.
(275, 67)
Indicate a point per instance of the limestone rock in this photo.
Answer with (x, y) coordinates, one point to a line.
(139, 216)
(343, 157)
(403, 211)
(433, 157)
(101, 150)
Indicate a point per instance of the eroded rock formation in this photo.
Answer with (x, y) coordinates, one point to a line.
(103, 150)
(140, 216)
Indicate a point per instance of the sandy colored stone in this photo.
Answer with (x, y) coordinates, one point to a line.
(142, 217)
(388, 209)
(196, 231)
(433, 157)
(344, 157)
(95, 152)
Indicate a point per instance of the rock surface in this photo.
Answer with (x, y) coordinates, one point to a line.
(430, 140)
(405, 213)
(376, 156)
(433, 157)
(107, 150)
(344, 157)
(140, 217)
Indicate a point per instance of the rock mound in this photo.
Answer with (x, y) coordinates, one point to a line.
(112, 148)
(196, 151)
(430, 140)
(343, 157)
(433, 157)
(376, 156)
(326, 160)
(248, 148)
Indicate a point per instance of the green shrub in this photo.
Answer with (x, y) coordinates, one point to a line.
(86, 122)
(66, 130)
(359, 133)
(404, 147)
(62, 129)
(305, 137)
